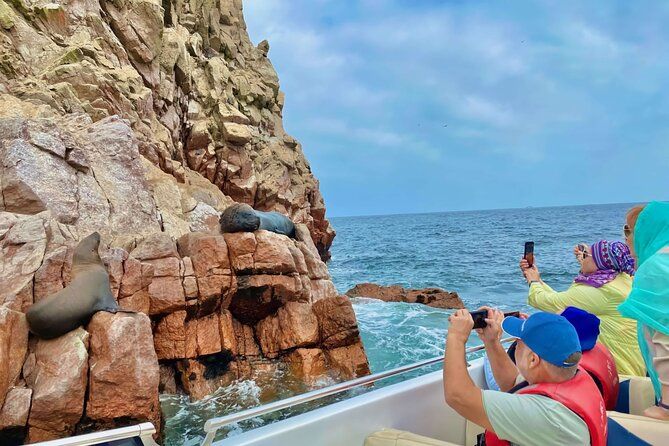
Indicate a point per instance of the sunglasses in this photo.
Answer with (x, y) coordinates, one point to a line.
(627, 231)
(583, 248)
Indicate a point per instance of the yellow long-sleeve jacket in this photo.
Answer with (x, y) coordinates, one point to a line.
(616, 332)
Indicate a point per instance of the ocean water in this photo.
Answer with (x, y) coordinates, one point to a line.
(474, 253)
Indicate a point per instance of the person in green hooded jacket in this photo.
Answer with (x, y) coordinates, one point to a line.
(648, 302)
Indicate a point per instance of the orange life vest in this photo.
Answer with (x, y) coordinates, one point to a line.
(601, 366)
(580, 395)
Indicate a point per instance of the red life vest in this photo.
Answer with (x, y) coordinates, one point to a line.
(599, 363)
(580, 395)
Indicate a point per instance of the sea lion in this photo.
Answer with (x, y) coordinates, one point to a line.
(87, 293)
(243, 218)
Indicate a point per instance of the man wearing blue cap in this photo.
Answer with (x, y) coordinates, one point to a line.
(557, 405)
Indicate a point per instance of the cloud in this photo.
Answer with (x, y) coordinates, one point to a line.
(469, 87)
(480, 109)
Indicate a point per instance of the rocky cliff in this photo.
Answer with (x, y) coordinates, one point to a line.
(143, 120)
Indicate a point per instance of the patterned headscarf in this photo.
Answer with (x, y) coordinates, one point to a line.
(611, 258)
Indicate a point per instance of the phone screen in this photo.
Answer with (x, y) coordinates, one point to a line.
(529, 253)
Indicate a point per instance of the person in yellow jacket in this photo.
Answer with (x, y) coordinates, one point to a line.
(603, 284)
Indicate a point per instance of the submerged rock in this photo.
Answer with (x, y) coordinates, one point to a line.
(432, 297)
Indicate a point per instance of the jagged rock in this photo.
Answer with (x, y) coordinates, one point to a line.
(294, 325)
(236, 133)
(322, 289)
(227, 332)
(336, 321)
(433, 297)
(165, 267)
(155, 246)
(13, 347)
(139, 302)
(245, 340)
(124, 373)
(203, 336)
(166, 294)
(350, 361)
(307, 364)
(258, 296)
(21, 253)
(169, 337)
(49, 276)
(242, 246)
(58, 380)
(113, 260)
(208, 253)
(167, 379)
(203, 377)
(15, 410)
(144, 120)
(272, 254)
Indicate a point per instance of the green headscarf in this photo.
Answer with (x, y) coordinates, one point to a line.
(648, 302)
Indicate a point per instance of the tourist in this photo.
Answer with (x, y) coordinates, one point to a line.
(604, 281)
(648, 301)
(557, 403)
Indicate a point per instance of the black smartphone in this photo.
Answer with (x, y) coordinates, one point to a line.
(480, 316)
(529, 253)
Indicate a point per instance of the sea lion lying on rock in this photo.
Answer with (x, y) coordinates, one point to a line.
(87, 293)
(243, 218)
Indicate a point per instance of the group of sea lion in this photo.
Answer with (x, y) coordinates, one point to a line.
(90, 292)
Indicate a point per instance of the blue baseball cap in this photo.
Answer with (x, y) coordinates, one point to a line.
(549, 335)
(586, 325)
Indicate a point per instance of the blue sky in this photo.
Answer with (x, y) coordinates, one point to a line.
(420, 106)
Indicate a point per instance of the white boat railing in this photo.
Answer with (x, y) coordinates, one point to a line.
(144, 432)
(212, 425)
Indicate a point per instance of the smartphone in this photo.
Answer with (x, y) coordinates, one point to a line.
(529, 253)
(480, 316)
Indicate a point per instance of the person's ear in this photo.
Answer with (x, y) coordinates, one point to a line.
(533, 360)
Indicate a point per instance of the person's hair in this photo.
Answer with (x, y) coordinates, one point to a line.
(566, 373)
(633, 214)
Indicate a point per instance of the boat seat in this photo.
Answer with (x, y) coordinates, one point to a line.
(636, 395)
(394, 437)
(472, 431)
(653, 431)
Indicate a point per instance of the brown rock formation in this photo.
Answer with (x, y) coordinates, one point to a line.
(108, 104)
(124, 373)
(57, 373)
(432, 297)
(143, 120)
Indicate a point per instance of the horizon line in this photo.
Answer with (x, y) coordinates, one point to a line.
(487, 209)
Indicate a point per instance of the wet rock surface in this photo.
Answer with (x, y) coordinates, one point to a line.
(432, 297)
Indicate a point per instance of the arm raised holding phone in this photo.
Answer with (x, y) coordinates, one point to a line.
(503, 368)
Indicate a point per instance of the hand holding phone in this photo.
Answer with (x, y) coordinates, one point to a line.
(479, 317)
(529, 253)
